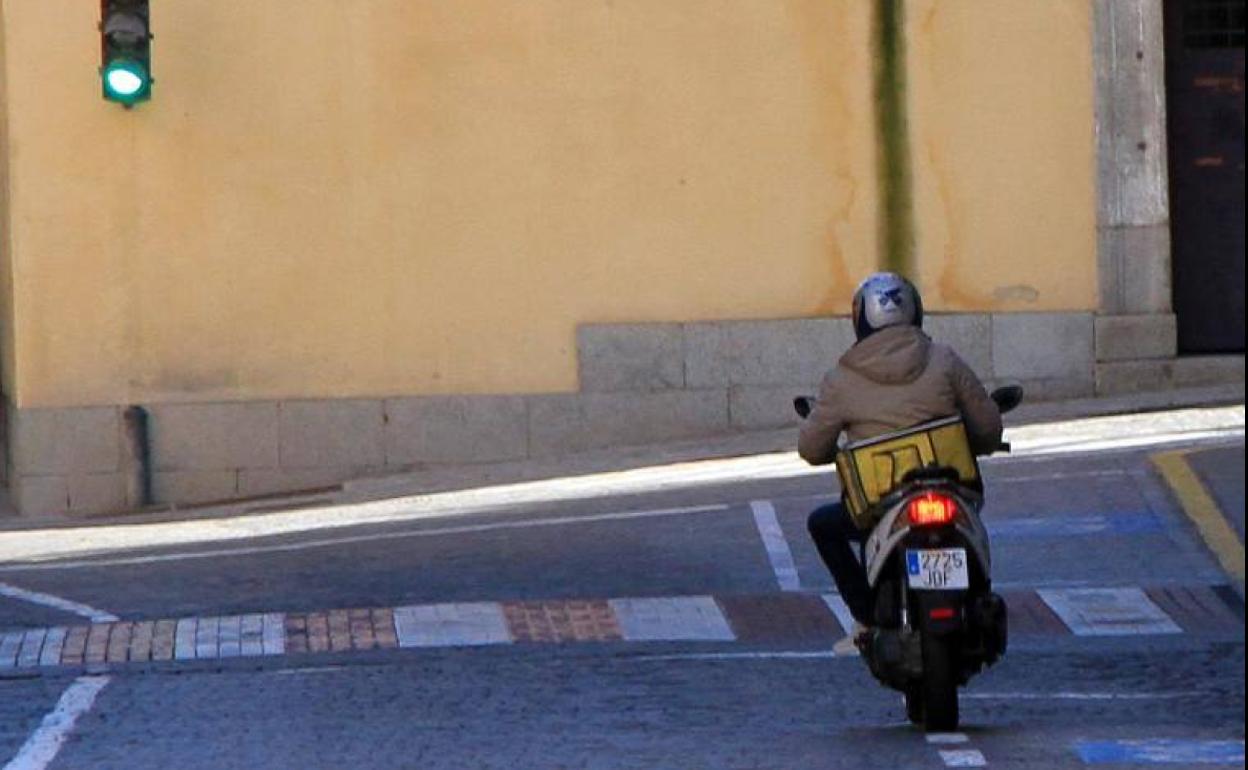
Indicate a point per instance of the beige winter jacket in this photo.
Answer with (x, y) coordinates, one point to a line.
(891, 380)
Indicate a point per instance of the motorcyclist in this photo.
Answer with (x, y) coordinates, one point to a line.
(893, 377)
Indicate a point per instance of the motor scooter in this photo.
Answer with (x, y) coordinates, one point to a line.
(929, 566)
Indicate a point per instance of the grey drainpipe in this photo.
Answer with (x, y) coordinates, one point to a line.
(138, 457)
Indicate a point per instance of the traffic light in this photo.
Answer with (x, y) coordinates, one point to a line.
(126, 49)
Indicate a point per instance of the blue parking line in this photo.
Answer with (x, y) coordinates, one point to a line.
(1068, 526)
(1161, 752)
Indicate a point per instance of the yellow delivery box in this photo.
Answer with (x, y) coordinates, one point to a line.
(871, 468)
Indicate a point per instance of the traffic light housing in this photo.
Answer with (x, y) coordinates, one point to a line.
(126, 51)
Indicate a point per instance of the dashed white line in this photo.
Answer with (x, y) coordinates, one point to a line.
(777, 546)
(57, 603)
(945, 739)
(963, 758)
(42, 746)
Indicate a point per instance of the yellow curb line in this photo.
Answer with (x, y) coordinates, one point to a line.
(1204, 512)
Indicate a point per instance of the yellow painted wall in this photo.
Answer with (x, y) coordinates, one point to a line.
(377, 197)
(7, 360)
(1003, 149)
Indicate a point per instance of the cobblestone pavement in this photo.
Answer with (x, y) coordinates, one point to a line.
(672, 628)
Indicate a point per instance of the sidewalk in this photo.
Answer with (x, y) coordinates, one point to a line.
(467, 477)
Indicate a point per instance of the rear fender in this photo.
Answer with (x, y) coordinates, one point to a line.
(940, 613)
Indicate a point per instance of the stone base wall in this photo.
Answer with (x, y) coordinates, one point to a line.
(640, 384)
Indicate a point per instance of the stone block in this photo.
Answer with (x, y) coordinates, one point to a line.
(189, 487)
(1130, 112)
(563, 424)
(1117, 378)
(764, 352)
(66, 441)
(1133, 269)
(1056, 388)
(341, 433)
(456, 429)
(1132, 337)
(614, 357)
(36, 496)
(1199, 371)
(761, 407)
(96, 493)
(214, 437)
(254, 483)
(1043, 346)
(969, 334)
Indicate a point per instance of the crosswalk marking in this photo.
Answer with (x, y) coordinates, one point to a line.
(1108, 611)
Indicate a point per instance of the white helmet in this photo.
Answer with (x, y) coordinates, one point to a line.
(886, 299)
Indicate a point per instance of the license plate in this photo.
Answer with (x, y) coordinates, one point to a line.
(937, 569)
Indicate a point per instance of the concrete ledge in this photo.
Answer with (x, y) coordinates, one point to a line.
(255, 483)
(1043, 346)
(630, 357)
(763, 352)
(341, 433)
(65, 441)
(69, 494)
(969, 334)
(455, 429)
(1125, 377)
(214, 437)
(191, 487)
(565, 424)
(1134, 337)
(756, 407)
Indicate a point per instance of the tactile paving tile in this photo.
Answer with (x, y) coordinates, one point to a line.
(1108, 611)
(562, 621)
(781, 618)
(693, 619)
(1029, 615)
(451, 625)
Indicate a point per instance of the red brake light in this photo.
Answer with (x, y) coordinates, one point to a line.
(942, 613)
(932, 509)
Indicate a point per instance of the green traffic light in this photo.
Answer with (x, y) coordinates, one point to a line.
(126, 81)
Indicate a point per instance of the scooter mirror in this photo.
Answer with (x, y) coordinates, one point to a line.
(802, 405)
(1008, 397)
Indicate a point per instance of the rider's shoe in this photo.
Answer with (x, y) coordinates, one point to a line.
(852, 643)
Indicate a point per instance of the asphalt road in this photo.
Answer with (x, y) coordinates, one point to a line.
(1066, 521)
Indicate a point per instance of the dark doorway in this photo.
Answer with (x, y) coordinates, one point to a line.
(1205, 117)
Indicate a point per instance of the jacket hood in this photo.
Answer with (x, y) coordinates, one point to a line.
(892, 356)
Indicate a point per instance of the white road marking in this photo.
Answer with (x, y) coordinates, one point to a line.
(1078, 696)
(1108, 611)
(841, 610)
(53, 646)
(273, 637)
(451, 625)
(184, 639)
(689, 618)
(777, 546)
(42, 746)
(348, 540)
(58, 603)
(728, 656)
(963, 758)
(945, 739)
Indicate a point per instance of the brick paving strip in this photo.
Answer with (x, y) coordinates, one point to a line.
(765, 618)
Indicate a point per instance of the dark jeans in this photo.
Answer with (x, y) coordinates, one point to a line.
(833, 532)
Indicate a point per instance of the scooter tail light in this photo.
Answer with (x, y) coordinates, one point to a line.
(932, 509)
(942, 613)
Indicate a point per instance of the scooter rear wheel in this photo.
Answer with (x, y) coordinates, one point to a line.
(913, 697)
(940, 684)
